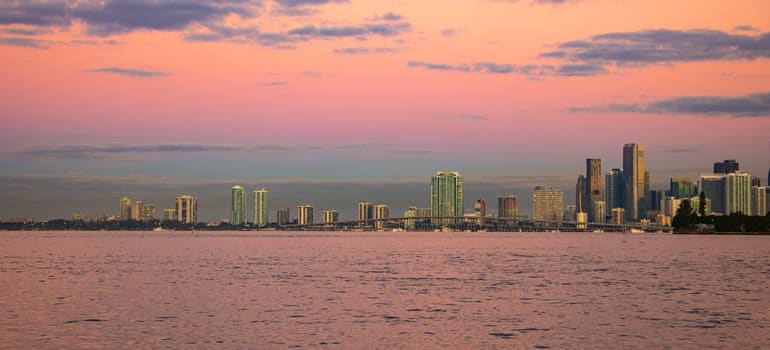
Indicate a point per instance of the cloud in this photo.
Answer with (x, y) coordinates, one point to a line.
(36, 13)
(363, 50)
(531, 70)
(752, 105)
(390, 16)
(474, 117)
(130, 72)
(23, 42)
(312, 74)
(296, 3)
(746, 28)
(676, 149)
(659, 46)
(273, 83)
(450, 32)
(26, 31)
(581, 70)
(381, 29)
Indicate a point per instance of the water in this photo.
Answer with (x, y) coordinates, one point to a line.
(113, 290)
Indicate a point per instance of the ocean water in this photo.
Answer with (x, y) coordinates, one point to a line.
(295, 290)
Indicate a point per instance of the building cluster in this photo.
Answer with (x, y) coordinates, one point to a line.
(621, 195)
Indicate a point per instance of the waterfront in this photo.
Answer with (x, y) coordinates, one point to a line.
(279, 290)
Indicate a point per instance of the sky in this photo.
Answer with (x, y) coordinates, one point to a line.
(331, 102)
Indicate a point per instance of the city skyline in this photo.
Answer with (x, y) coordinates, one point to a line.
(150, 100)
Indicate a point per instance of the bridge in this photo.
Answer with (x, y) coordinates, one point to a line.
(462, 223)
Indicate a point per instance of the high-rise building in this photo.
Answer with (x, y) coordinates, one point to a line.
(148, 212)
(600, 212)
(304, 214)
(365, 211)
(125, 208)
(260, 207)
(283, 216)
(169, 214)
(759, 201)
(581, 195)
(713, 186)
(594, 190)
(634, 180)
(187, 209)
(410, 213)
(480, 209)
(136, 210)
(381, 214)
(618, 216)
(238, 206)
(695, 203)
(681, 187)
(656, 198)
(331, 216)
(570, 213)
(755, 181)
(548, 204)
(507, 207)
(670, 204)
(614, 189)
(446, 197)
(726, 167)
(737, 193)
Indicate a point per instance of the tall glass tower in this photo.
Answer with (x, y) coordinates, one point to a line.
(614, 189)
(238, 206)
(260, 207)
(594, 190)
(634, 180)
(446, 198)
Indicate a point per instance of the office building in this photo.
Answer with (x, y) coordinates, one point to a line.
(169, 214)
(507, 207)
(634, 180)
(238, 206)
(548, 204)
(304, 214)
(614, 189)
(695, 202)
(759, 200)
(713, 186)
(737, 193)
(283, 216)
(125, 208)
(187, 209)
(581, 196)
(148, 212)
(365, 211)
(570, 213)
(726, 167)
(755, 181)
(410, 213)
(681, 187)
(331, 216)
(594, 191)
(670, 204)
(260, 207)
(656, 198)
(480, 209)
(446, 198)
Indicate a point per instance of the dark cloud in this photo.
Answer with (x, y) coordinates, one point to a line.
(474, 117)
(130, 72)
(746, 28)
(363, 50)
(662, 46)
(23, 42)
(26, 31)
(273, 83)
(390, 16)
(581, 70)
(382, 29)
(753, 105)
(296, 3)
(531, 70)
(36, 13)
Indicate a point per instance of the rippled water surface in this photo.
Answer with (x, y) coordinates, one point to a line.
(111, 290)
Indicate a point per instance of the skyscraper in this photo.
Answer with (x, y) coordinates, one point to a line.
(713, 186)
(594, 188)
(581, 196)
(726, 167)
(759, 201)
(148, 212)
(480, 209)
(738, 193)
(507, 207)
(136, 210)
(365, 211)
(238, 206)
(615, 189)
(304, 214)
(600, 212)
(446, 197)
(169, 214)
(125, 208)
(381, 213)
(260, 207)
(634, 180)
(331, 216)
(681, 187)
(187, 209)
(548, 204)
(283, 216)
